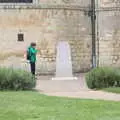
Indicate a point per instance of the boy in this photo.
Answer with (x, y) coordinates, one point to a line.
(32, 57)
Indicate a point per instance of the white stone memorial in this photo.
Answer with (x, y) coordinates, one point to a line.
(63, 62)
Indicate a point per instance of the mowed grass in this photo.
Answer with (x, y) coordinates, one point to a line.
(31, 105)
(112, 89)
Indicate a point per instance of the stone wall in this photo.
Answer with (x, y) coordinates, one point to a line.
(109, 33)
(47, 27)
(82, 3)
(49, 21)
(109, 3)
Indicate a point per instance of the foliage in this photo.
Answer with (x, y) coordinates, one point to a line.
(103, 77)
(11, 79)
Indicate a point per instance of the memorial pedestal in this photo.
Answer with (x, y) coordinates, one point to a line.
(63, 62)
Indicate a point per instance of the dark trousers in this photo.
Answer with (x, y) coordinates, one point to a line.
(32, 65)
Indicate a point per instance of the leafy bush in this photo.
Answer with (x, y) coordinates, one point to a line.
(11, 79)
(103, 77)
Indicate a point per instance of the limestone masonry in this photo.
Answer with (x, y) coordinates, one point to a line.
(49, 21)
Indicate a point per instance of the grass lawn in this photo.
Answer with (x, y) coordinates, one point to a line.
(34, 106)
(113, 89)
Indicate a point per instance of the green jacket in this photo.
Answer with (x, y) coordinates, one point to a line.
(32, 52)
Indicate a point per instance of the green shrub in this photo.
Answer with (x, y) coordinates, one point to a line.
(103, 77)
(11, 79)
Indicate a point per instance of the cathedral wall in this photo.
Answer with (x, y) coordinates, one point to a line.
(47, 27)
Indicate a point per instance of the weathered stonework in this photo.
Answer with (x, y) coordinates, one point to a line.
(48, 26)
(109, 33)
(109, 3)
(49, 21)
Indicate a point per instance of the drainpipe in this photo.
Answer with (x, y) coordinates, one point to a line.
(93, 25)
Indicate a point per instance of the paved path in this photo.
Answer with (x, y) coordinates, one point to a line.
(72, 88)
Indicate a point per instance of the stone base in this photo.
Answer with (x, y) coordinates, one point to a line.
(65, 78)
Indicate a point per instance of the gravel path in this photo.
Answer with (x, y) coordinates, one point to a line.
(72, 88)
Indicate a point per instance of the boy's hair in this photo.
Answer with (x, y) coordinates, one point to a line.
(33, 44)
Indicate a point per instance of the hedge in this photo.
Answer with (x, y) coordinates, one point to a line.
(11, 79)
(103, 77)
